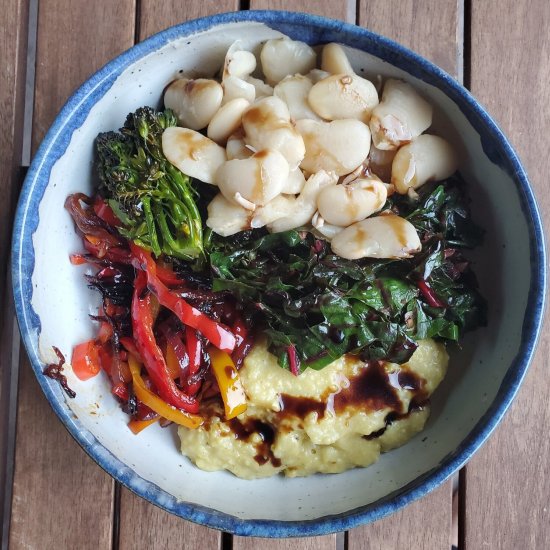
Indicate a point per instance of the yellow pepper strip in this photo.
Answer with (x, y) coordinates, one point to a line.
(172, 362)
(137, 425)
(155, 403)
(229, 382)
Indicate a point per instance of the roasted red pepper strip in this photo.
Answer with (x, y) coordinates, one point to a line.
(194, 349)
(89, 224)
(178, 352)
(85, 360)
(105, 212)
(218, 335)
(167, 276)
(130, 346)
(120, 390)
(100, 256)
(77, 259)
(142, 325)
(114, 254)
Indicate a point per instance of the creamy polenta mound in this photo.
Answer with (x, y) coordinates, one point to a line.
(327, 421)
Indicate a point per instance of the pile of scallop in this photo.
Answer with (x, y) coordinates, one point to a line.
(306, 147)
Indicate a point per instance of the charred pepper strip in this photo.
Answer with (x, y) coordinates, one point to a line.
(218, 335)
(176, 355)
(155, 403)
(194, 349)
(142, 325)
(55, 372)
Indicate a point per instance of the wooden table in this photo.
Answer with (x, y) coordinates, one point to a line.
(55, 497)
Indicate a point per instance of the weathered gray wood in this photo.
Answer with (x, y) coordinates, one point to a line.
(507, 482)
(144, 526)
(156, 16)
(344, 9)
(61, 499)
(432, 28)
(13, 45)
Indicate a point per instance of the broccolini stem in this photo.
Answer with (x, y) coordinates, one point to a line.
(151, 225)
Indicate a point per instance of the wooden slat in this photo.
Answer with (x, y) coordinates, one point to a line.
(438, 38)
(344, 9)
(61, 499)
(156, 16)
(13, 38)
(156, 528)
(507, 482)
(432, 28)
(144, 526)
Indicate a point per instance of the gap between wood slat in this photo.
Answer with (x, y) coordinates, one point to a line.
(467, 56)
(465, 10)
(461, 509)
(29, 82)
(16, 30)
(10, 346)
(115, 542)
(227, 541)
(137, 22)
(116, 516)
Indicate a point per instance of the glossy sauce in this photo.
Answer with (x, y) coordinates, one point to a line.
(360, 236)
(392, 417)
(373, 389)
(191, 144)
(397, 225)
(301, 406)
(243, 431)
(262, 116)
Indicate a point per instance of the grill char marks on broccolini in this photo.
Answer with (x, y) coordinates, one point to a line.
(153, 199)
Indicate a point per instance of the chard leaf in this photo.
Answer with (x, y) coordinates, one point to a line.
(305, 296)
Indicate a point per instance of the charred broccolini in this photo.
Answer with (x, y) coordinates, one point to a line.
(153, 199)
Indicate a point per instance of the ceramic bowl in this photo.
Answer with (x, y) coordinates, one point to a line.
(53, 302)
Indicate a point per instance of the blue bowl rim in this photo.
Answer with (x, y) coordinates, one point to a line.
(23, 257)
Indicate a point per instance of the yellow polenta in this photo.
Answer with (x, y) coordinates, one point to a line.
(330, 420)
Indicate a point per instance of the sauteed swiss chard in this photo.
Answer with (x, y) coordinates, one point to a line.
(323, 306)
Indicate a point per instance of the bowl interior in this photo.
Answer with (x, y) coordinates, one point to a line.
(150, 463)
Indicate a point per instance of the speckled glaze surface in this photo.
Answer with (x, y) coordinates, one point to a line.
(53, 303)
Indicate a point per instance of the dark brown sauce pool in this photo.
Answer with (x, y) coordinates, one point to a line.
(243, 431)
(373, 389)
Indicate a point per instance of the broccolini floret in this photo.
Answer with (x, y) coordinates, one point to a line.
(153, 199)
